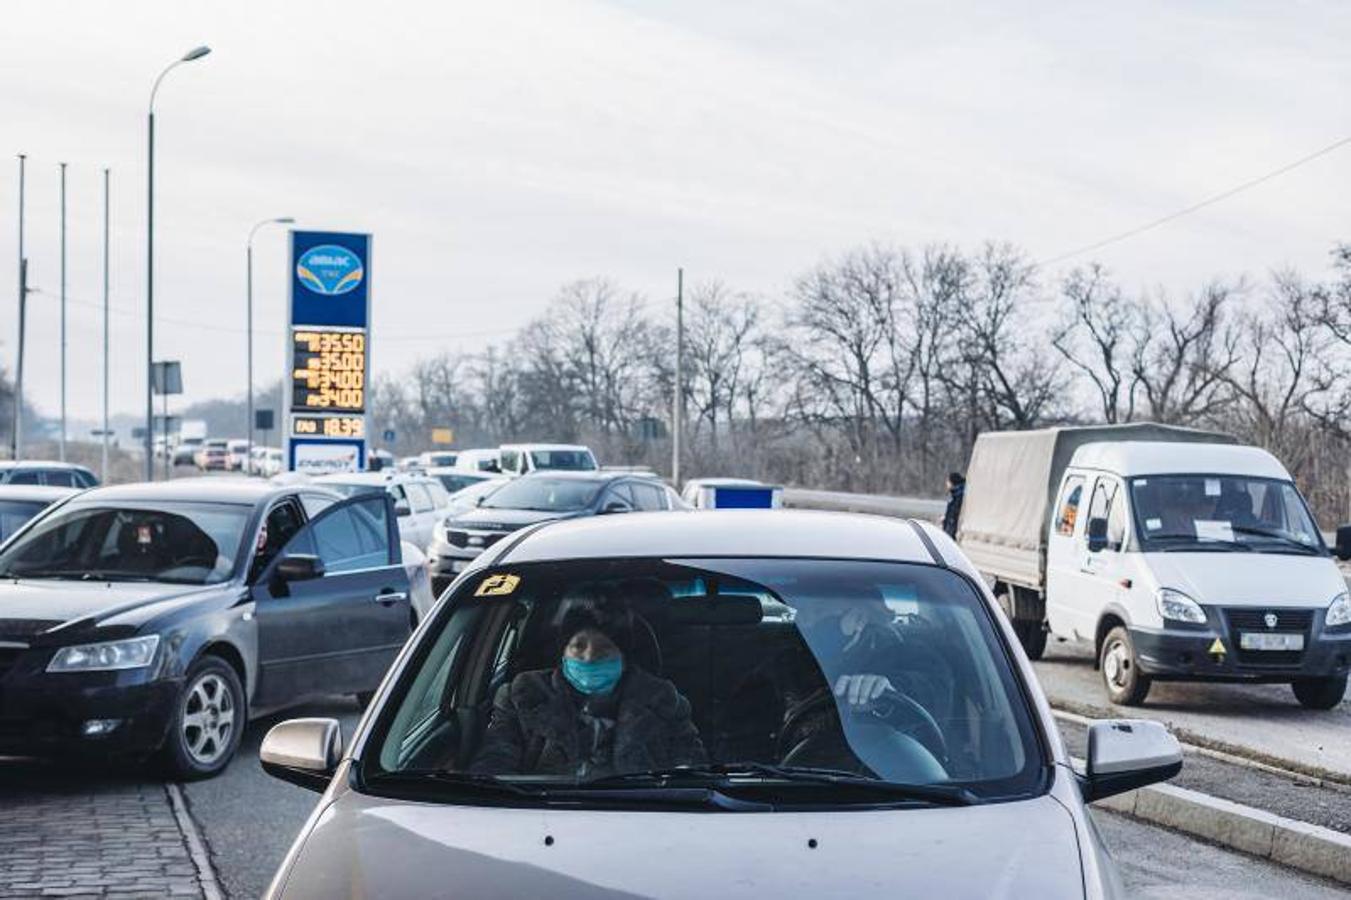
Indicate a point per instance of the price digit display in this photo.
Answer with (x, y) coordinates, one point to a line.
(328, 370)
(328, 426)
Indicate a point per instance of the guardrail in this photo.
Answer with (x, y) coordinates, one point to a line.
(877, 504)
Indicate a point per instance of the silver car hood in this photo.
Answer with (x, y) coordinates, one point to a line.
(363, 846)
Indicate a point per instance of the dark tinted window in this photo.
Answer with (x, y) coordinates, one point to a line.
(544, 494)
(14, 513)
(61, 478)
(649, 496)
(355, 536)
(25, 476)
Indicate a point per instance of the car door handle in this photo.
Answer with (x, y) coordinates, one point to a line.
(389, 598)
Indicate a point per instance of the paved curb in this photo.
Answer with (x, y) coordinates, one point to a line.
(196, 846)
(1299, 845)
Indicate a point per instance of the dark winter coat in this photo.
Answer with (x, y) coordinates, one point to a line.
(953, 512)
(540, 725)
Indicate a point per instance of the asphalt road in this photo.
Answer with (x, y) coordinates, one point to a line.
(248, 821)
(1264, 720)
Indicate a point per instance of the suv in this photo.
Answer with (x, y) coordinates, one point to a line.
(541, 497)
(419, 500)
(521, 459)
(54, 474)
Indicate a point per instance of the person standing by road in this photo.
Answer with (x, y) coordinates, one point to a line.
(956, 492)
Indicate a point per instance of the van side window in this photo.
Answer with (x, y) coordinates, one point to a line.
(1101, 506)
(1069, 505)
(1116, 519)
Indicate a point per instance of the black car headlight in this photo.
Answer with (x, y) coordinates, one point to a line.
(108, 656)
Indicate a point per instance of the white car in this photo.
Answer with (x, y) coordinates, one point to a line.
(914, 756)
(237, 455)
(522, 459)
(431, 459)
(266, 461)
(479, 459)
(419, 501)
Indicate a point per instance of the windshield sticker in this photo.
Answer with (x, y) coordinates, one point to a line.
(1153, 524)
(1211, 530)
(497, 585)
(1212, 487)
(144, 535)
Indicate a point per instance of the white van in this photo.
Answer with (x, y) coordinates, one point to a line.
(521, 459)
(1184, 561)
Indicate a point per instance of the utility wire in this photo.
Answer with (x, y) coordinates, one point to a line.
(1209, 201)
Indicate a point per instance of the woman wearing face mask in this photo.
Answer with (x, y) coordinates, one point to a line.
(594, 714)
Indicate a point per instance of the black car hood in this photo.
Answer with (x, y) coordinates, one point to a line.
(30, 608)
(512, 519)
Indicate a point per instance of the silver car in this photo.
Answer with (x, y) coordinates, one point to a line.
(718, 704)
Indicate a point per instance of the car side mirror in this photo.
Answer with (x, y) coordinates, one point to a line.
(1097, 535)
(305, 752)
(1125, 754)
(402, 509)
(1343, 546)
(615, 506)
(299, 567)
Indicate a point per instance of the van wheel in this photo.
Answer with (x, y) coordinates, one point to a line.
(1319, 693)
(1126, 684)
(208, 721)
(1032, 635)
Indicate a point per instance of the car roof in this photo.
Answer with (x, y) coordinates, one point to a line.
(583, 475)
(39, 492)
(205, 490)
(40, 464)
(545, 447)
(1129, 458)
(374, 478)
(736, 532)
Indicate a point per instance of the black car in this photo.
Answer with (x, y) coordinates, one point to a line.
(158, 618)
(539, 497)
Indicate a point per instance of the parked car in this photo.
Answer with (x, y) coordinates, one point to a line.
(237, 455)
(185, 453)
(521, 459)
(378, 460)
(947, 777)
(21, 502)
(266, 461)
(47, 472)
(419, 501)
(541, 497)
(156, 619)
(1175, 555)
(453, 479)
(479, 459)
(431, 459)
(213, 454)
(731, 493)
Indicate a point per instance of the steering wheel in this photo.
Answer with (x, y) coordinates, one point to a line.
(891, 708)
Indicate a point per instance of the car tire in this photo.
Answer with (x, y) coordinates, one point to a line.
(1032, 635)
(1126, 685)
(1319, 693)
(208, 721)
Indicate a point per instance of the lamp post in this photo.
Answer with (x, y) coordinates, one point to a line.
(195, 53)
(284, 220)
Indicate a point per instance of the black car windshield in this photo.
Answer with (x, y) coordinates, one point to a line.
(181, 543)
(544, 494)
(772, 682)
(1179, 512)
(566, 460)
(13, 513)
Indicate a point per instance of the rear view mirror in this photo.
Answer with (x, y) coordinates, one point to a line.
(303, 751)
(1125, 754)
(1097, 535)
(299, 567)
(1343, 547)
(614, 506)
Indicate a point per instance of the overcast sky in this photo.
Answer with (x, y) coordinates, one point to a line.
(497, 150)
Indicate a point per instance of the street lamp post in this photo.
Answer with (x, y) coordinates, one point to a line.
(195, 53)
(284, 220)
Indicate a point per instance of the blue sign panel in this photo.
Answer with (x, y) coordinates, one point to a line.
(330, 278)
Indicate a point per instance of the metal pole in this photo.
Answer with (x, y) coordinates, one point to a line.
(150, 302)
(165, 402)
(16, 439)
(103, 469)
(61, 445)
(679, 413)
(248, 459)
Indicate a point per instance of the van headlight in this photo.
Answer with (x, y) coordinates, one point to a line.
(1339, 611)
(133, 653)
(1176, 606)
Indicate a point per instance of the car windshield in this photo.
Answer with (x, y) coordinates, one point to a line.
(1175, 512)
(458, 481)
(182, 543)
(545, 494)
(13, 513)
(466, 499)
(735, 683)
(567, 460)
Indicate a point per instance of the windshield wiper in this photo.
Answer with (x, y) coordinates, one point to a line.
(722, 773)
(567, 792)
(1193, 542)
(1276, 535)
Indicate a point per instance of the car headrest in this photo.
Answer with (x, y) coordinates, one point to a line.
(720, 609)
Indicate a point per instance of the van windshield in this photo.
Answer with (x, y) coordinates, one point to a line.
(729, 683)
(567, 460)
(1234, 512)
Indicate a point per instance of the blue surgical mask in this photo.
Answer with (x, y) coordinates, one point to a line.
(596, 677)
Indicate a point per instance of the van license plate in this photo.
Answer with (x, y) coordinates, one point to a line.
(1270, 640)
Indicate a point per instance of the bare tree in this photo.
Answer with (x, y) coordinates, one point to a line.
(1097, 337)
(1182, 355)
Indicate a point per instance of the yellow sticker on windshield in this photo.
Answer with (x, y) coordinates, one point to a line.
(497, 585)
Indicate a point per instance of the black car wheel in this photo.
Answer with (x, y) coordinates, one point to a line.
(1121, 674)
(1320, 693)
(208, 721)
